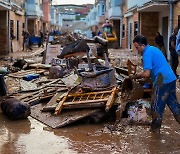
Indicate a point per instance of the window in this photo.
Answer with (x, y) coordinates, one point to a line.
(99, 11)
(135, 28)
(103, 9)
(123, 30)
(23, 25)
(12, 29)
(178, 21)
(17, 35)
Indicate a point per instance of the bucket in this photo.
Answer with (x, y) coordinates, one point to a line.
(2, 85)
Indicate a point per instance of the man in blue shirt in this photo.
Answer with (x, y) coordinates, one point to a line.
(156, 66)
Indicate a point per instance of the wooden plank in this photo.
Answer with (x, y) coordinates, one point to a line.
(75, 106)
(111, 99)
(61, 120)
(22, 73)
(54, 99)
(60, 105)
(84, 106)
(90, 93)
(85, 101)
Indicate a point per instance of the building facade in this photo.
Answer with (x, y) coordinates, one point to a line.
(147, 17)
(46, 15)
(12, 22)
(34, 15)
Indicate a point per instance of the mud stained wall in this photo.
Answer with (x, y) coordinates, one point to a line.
(149, 23)
(176, 14)
(18, 23)
(4, 32)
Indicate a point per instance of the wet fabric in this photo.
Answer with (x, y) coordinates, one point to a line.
(154, 60)
(164, 94)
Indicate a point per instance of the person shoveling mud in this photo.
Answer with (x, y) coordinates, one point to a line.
(164, 81)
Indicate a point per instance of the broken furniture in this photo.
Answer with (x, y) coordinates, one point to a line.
(130, 91)
(81, 100)
(132, 69)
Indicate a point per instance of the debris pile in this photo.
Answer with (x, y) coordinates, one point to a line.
(77, 81)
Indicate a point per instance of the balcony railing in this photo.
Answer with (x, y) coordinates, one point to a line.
(7, 1)
(33, 10)
(5, 5)
(114, 12)
(18, 3)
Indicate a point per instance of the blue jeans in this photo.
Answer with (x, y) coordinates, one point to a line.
(164, 94)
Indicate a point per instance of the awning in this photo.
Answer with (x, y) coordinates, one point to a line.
(154, 7)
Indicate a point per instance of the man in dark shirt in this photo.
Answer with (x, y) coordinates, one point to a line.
(42, 39)
(26, 36)
(172, 49)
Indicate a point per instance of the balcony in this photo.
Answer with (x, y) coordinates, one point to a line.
(148, 5)
(17, 3)
(5, 5)
(154, 6)
(114, 12)
(33, 10)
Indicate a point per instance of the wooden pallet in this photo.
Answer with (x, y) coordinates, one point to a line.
(91, 99)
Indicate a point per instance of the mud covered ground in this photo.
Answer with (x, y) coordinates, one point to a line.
(30, 136)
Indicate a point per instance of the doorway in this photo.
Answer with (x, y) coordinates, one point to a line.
(165, 32)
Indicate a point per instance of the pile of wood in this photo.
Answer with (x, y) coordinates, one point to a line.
(81, 100)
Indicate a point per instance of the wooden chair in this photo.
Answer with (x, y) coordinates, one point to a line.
(132, 68)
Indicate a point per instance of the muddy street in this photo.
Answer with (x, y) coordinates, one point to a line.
(30, 136)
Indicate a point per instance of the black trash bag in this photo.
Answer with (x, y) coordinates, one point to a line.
(20, 63)
(14, 109)
(74, 47)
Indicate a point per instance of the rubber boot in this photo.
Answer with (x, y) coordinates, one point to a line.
(156, 125)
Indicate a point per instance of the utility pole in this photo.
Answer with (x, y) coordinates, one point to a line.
(171, 15)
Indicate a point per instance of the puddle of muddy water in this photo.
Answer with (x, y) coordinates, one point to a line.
(29, 136)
